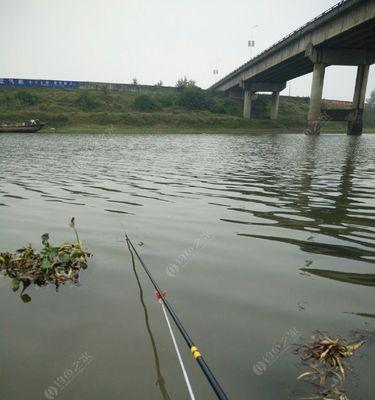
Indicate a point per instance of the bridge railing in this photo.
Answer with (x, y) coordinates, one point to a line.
(281, 40)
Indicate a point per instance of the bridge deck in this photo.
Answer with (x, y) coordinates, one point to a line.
(286, 59)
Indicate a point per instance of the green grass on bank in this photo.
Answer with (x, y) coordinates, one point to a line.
(192, 110)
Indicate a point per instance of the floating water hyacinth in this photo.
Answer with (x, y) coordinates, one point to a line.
(53, 265)
(325, 359)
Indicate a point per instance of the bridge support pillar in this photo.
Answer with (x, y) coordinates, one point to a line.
(248, 95)
(275, 105)
(314, 118)
(355, 123)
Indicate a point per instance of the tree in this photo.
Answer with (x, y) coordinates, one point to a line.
(160, 83)
(135, 81)
(185, 83)
(371, 100)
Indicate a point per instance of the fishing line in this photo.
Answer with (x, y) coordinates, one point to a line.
(187, 381)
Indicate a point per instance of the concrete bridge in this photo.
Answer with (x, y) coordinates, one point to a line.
(343, 35)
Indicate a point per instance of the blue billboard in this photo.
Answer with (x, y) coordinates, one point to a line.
(38, 83)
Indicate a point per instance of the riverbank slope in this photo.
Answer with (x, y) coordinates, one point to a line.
(193, 110)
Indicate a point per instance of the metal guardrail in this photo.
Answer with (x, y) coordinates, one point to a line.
(279, 41)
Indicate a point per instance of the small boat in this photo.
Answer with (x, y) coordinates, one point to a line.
(33, 125)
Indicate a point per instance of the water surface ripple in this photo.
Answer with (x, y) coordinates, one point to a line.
(252, 235)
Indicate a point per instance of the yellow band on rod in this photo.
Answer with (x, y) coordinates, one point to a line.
(195, 352)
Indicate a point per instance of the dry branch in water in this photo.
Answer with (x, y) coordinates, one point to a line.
(327, 368)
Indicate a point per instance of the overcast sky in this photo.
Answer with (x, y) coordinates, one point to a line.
(117, 40)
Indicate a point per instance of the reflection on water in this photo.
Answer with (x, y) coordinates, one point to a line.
(321, 248)
(332, 200)
(160, 381)
(282, 211)
(348, 277)
(366, 315)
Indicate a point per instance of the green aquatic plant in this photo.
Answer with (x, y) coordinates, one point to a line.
(53, 265)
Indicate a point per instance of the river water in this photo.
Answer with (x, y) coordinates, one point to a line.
(259, 240)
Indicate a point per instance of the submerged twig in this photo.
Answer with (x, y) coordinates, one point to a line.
(327, 368)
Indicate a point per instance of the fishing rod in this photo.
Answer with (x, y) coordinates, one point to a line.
(194, 349)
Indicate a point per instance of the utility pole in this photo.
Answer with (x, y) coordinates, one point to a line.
(216, 67)
(251, 42)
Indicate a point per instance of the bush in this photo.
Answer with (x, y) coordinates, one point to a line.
(167, 99)
(26, 98)
(193, 98)
(261, 107)
(145, 103)
(86, 102)
(223, 105)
